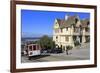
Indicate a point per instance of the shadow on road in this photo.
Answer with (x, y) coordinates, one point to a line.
(38, 57)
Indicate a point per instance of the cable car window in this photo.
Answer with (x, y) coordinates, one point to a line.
(37, 47)
(34, 47)
(30, 48)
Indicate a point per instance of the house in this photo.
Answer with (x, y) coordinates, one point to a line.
(71, 29)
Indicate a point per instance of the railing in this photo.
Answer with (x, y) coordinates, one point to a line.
(86, 33)
(73, 33)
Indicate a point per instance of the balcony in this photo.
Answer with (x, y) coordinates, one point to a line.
(86, 33)
(62, 33)
(73, 33)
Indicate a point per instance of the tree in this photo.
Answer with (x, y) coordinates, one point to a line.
(34, 42)
(46, 42)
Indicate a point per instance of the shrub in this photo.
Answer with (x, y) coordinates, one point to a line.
(76, 43)
(87, 40)
(69, 47)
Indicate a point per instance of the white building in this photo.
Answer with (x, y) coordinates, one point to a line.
(71, 29)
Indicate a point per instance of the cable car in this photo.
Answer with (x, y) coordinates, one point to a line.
(33, 50)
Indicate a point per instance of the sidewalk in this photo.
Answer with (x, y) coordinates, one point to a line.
(79, 52)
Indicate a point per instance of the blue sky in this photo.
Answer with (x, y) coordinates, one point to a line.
(41, 22)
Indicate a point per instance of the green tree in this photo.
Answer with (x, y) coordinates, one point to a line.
(46, 42)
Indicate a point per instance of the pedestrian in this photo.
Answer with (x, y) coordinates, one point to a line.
(67, 51)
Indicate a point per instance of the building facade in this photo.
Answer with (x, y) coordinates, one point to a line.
(70, 30)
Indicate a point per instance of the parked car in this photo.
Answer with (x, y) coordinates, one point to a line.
(56, 50)
(43, 50)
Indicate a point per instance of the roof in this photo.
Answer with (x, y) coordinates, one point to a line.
(85, 22)
(70, 21)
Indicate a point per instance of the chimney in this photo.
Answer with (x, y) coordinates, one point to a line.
(66, 16)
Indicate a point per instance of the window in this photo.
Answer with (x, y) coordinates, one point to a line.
(56, 22)
(66, 28)
(74, 38)
(87, 29)
(37, 47)
(30, 48)
(61, 30)
(67, 38)
(34, 47)
(76, 29)
(56, 37)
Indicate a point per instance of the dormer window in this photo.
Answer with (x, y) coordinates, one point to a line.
(56, 22)
(56, 37)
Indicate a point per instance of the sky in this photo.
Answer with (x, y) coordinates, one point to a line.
(36, 23)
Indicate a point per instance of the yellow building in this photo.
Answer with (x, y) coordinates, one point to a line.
(71, 29)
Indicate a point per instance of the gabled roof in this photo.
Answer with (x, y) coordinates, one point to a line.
(71, 20)
(68, 22)
(60, 22)
(85, 22)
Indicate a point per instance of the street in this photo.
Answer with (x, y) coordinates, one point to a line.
(82, 53)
